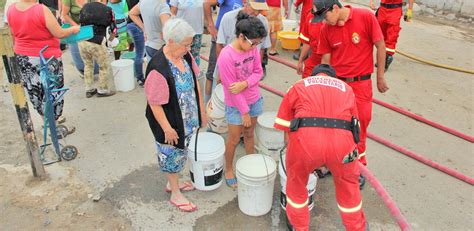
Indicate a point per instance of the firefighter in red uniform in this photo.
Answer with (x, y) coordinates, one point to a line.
(347, 40)
(323, 109)
(389, 15)
(305, 10)
(309, 37)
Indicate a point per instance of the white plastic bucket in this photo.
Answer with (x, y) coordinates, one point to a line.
(255, 176)
(123, 74)
(289, 25)
(206, 172)
(215, 110)
(311, 186)
(268, 137)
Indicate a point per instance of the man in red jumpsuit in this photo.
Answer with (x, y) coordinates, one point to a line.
(389, 14)
(309, 37)
(347, 40)
(319, 113)
(305, 10)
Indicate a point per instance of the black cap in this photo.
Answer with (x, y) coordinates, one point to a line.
(324, 68)
(322, 7)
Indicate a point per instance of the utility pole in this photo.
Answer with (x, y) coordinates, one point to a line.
(19, 99)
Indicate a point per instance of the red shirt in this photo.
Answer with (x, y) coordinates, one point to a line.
(316, 96)
(30, 32)
(274, 3)
(310, 33)
(391, 1)
(351, 46)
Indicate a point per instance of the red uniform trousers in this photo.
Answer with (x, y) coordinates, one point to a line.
(313, 60)
(389, 20)
(310, 148)
(363, 94)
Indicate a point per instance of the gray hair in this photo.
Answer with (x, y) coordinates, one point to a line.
(177, 29)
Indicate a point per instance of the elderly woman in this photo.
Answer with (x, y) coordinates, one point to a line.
(175, 108)
(33, 27)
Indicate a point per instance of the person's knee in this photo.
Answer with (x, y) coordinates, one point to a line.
(248, 133)
(233, 140)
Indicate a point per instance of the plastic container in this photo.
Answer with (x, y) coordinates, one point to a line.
(269, 137)
(122, 70)
(206, 167)
(128, 55)
(289, 40)
(311, 186)
(290, 25)
(215, 110)
(255, 176)
(85, 33)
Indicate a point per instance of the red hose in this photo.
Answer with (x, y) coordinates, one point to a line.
(397, 109)
(422, 159)
(394, 210)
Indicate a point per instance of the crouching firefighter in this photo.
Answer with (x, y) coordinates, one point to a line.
(319, 114)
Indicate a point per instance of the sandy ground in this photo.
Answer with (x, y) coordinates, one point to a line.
(117, 159)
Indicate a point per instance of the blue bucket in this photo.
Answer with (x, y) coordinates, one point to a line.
(86, 32)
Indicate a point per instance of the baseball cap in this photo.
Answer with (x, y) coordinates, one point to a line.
(258, 4)
(324, 68)
(322, 7)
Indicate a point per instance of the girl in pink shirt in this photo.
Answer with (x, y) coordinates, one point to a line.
(240, 70)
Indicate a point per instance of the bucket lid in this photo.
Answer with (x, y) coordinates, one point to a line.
(209, 144)
(267, 119)
(256, 165)
(219, 90)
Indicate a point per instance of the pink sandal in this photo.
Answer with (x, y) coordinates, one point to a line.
(182, 207)
(186, 187)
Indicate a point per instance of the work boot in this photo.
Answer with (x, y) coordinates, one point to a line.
(388, 61)
(361, 182)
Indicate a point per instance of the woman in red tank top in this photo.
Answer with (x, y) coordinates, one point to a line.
(33, 27)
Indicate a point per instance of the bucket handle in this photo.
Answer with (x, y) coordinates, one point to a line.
(196, 145)
(281, 158)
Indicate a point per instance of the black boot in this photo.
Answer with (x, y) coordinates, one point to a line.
(388, 61)
(361, 182)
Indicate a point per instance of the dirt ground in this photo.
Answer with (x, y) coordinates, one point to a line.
(117, 160)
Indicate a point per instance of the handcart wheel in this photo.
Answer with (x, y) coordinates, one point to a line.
(69, 152)
(62, 131)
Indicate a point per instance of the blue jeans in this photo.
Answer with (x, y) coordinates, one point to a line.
(139, 43)
(149, 51)
(76, 58)
(234, 117)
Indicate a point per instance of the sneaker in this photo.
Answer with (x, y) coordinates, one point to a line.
(90, 93)
(141, 83)
(105, 93)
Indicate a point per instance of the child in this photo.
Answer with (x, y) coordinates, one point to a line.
(120, 9)
(240, 70)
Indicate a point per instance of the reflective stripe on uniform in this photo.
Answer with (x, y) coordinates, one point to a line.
(296, 205)
(390, 49)
(361, 155)
(350, 210)
(282, 122)
(304, 37)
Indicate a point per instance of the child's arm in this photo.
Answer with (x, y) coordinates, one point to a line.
(257, 74)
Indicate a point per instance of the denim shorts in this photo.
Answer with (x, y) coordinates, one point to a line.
(234, 117)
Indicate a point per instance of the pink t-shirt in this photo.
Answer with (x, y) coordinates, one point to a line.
(30, 32)
(235, 66)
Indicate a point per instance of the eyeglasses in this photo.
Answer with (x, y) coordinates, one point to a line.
(252, 43)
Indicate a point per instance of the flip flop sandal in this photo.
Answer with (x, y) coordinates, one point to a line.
(186, 187)
(273, 54)
(183, 207)
(232, 183)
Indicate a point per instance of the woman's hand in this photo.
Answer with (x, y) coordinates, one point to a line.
(246, 120)
(171, 136)
(237, 87)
